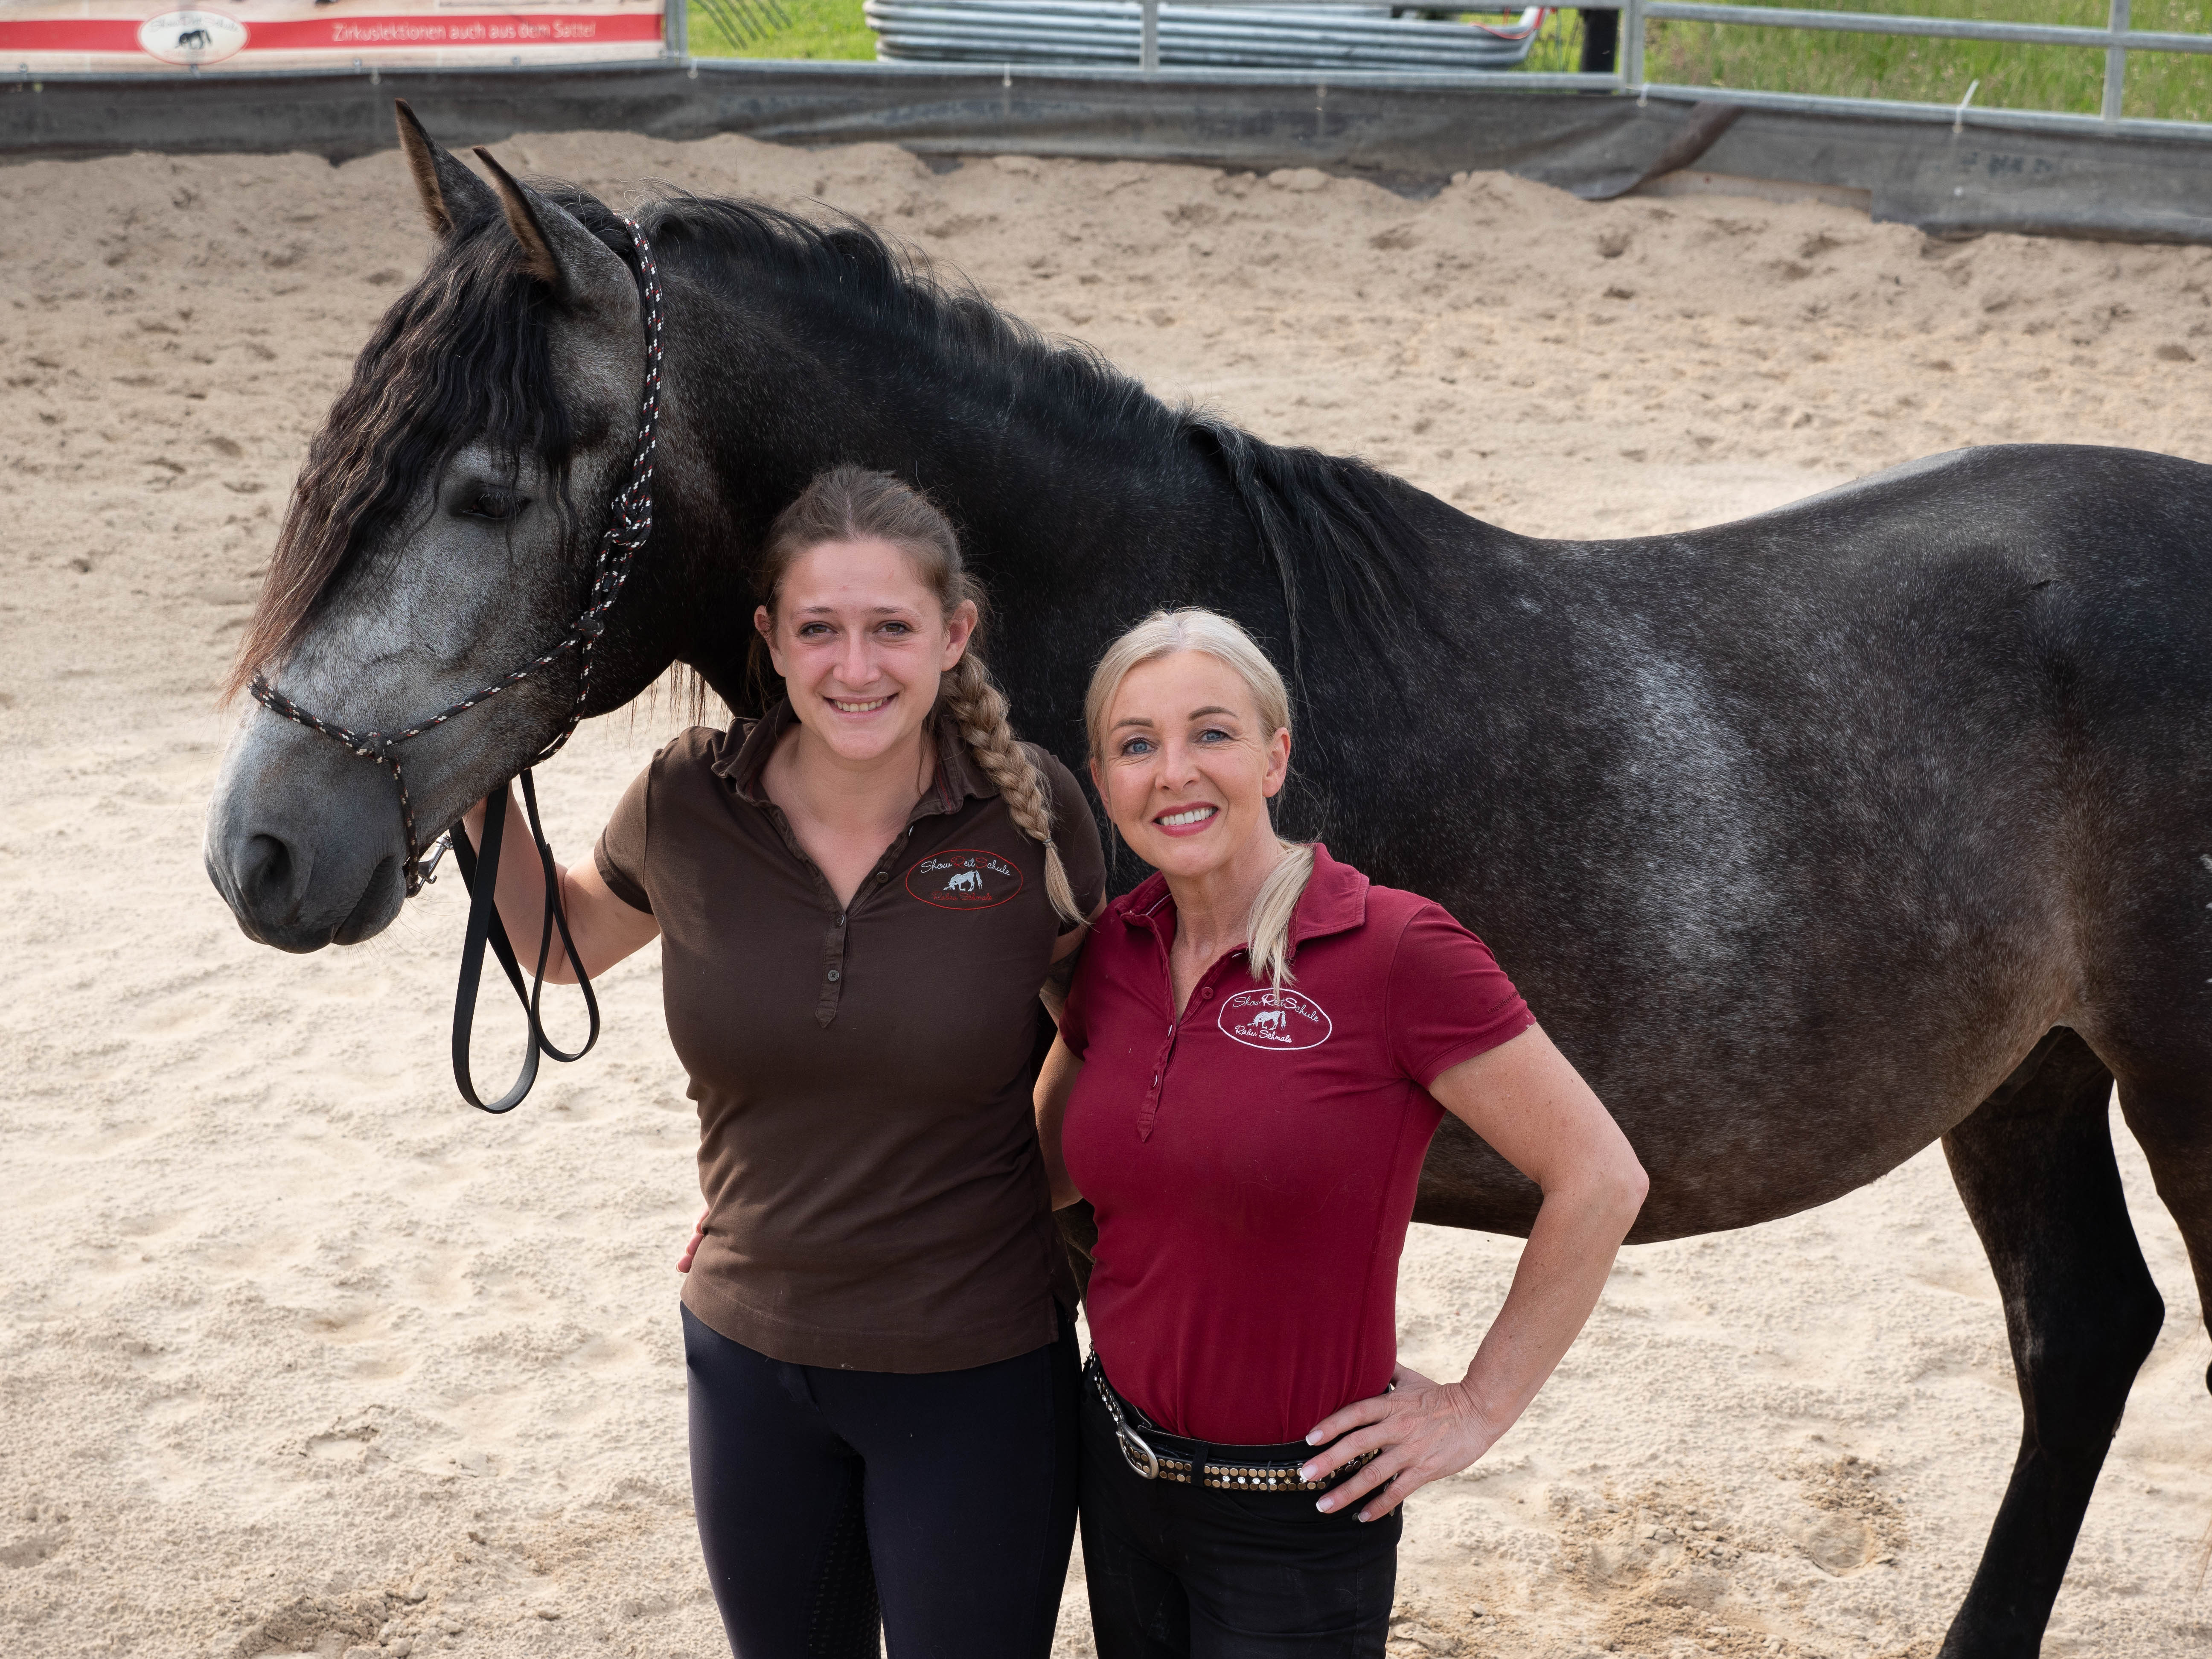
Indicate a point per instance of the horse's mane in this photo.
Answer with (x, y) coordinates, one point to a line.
(465, 356)
(1329, 517)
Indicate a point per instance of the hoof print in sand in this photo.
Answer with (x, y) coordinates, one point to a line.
(34, 1546)
(1836, 1544)
(1855, 1524)
(312, 1624)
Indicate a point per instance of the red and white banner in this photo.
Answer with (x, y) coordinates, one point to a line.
(162, 36)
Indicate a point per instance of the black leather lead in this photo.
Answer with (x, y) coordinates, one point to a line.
(630, 527)
(486, 928)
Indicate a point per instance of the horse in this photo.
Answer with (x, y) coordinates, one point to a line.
(1813, 838)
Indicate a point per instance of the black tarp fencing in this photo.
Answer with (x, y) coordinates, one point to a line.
(1405, 132)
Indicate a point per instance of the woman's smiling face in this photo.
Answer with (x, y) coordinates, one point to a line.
(1186, 767)
(861, 642)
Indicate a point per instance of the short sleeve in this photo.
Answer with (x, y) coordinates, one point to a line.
(620, 855)
(1074, 832)
(1449, 1000)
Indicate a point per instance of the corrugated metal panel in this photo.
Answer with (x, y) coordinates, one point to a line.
(1317, 37)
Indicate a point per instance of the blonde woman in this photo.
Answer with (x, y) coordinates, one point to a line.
(860, 900)
(1258, 1046)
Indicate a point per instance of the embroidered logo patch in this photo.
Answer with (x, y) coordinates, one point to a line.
(963, 878)
(1275, 1020)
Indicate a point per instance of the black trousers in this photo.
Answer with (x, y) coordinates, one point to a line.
(1193, 1572)
(941, 1502)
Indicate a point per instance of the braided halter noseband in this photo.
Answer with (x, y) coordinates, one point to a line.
(630, 524)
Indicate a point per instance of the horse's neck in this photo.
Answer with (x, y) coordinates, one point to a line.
(1077, 517)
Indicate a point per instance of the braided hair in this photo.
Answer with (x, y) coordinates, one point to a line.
(851, 503)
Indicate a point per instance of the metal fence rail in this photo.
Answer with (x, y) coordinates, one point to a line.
(1188, 36)
(2117, 40)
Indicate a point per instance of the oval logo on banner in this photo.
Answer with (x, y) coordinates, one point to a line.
(191, 37)
(964, 879)
(1275, 1020)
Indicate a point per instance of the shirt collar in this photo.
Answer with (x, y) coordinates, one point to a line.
(1335, 901)
(746, 753)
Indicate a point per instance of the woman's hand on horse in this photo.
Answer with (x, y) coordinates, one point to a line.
(1420, 1431)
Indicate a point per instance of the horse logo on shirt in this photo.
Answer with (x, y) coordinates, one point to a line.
(1284, 1020)
(964, 879)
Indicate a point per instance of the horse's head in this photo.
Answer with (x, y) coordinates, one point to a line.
(442, 534)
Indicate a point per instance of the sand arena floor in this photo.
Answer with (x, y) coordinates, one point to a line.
(299, 1355)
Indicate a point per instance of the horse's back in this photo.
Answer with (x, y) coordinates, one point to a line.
(1853, 766)
(2039, 512)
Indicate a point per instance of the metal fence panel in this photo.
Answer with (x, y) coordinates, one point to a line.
(1279, 36)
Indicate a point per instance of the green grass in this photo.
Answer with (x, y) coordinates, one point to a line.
(819, 28)
(2171, 85)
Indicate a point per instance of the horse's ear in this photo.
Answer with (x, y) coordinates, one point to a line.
(583, 273)
(451, 193)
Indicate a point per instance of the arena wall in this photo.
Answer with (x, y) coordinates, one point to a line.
(1407, 132)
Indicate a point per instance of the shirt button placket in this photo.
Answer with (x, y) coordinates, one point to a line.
(833, 974)
(1152, 1095)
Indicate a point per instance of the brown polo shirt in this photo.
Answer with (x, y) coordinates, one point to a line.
(876, 1199)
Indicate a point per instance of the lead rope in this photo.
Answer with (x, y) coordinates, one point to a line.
(485, 927)
(629, 527)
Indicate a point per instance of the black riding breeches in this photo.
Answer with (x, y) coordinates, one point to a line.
(1196, 1572)
(944, 1499)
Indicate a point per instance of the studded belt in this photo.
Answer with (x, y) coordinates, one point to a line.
(1155, 1455)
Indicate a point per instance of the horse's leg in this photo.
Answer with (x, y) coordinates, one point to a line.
(2171, 1117)
(2034, 1164)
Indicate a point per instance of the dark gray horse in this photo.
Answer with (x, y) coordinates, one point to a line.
(1813, 838)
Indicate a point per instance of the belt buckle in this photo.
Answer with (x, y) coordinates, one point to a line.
(1126, 1437)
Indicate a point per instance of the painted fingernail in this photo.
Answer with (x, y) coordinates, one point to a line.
(1313, 1438)
(1305, 1471)
(1325, 1506)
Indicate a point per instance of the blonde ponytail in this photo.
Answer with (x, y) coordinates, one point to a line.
(1267, 925)
(978, 711)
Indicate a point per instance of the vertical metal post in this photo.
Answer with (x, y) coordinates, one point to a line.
(1148, 47)
(2116, 62)
(1631, 42)
(676, 29)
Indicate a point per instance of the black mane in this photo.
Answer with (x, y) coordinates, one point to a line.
(465, 356)
(1332, 526)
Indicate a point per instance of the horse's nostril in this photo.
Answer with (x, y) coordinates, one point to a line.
(268, 880)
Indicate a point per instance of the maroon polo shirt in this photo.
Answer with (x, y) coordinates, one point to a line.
(875, 1199)
(1254, 1163)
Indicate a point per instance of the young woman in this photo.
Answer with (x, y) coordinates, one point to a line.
(859, 899)
(1259, 1045)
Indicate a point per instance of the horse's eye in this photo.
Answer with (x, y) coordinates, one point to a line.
(492, 501)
